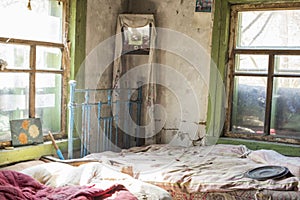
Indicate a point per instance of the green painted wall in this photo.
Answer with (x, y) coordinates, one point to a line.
(217, 98)
(77, 34)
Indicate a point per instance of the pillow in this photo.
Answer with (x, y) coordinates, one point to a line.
(50, 174)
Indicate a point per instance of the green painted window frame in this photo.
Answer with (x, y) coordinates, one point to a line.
(219, 55)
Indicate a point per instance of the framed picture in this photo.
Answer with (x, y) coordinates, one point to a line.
(26, 131)
(203, 5)
(136, 40)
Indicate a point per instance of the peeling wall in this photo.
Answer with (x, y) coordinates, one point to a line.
(177, 15)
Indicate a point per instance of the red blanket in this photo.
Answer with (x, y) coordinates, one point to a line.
(17, 186)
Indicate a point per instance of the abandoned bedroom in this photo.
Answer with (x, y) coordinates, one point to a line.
(150, 99)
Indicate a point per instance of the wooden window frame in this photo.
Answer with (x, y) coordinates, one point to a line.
(222, 53)
(64, 71)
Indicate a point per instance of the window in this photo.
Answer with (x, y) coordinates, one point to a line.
(31, 46)
(264, 73)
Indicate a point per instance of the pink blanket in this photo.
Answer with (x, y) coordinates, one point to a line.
(17, 186)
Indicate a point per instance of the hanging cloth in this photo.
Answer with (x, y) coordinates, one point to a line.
(149, 88)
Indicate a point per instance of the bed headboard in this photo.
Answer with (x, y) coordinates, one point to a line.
(95, 116)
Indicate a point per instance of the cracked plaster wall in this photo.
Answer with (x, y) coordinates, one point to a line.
(177, 15)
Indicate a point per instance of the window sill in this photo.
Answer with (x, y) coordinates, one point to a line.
(32, 152)
(263, 137)
(285, 149)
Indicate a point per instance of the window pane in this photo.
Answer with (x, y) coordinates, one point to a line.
(16, 56)
(269, 28)
(14, 100)
(285, 116)
(287, 64)
(251, 63)
(248, 106)
(48, 101)
(43, 22)
(48, 58)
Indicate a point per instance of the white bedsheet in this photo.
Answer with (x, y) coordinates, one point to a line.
(198, 169)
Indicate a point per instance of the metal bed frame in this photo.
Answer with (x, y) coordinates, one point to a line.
(101, 118)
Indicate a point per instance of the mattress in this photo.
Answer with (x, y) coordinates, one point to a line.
(201, 172)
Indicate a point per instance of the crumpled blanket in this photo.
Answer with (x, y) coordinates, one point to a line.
(18, 186)
(271, 157)
(94, 173)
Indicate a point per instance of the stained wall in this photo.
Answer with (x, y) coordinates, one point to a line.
(172, 15)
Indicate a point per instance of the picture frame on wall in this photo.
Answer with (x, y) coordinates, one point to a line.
(203, 5)
(136, 40)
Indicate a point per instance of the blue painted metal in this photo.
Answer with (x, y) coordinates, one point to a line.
(99, 125)
(117, 119)
(109, 103)
(85, 125)
(71, 118)
(126, 139)
(105, 133)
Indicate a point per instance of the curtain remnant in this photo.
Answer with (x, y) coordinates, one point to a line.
(148, 81)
